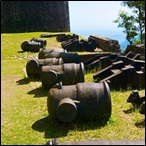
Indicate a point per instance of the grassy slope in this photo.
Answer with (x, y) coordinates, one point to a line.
(24, 115)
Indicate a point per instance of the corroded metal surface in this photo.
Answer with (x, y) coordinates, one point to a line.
(33, 66)
(59, 53)
(74, 44)
(67, 73)
(43, 42)
(101, 61)
(66, 110)
(91, 101)
(125, 78)
(142, 108)
(121, 71)
(135, 98)
(44, 51)
(31, 46)
(65, 37)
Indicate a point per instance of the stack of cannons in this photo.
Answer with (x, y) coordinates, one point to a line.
(69, 97)
(72, 43)
(120, 71)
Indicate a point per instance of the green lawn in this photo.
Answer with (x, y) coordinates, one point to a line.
(24, 115)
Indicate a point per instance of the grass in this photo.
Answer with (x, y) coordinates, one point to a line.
(24, 115)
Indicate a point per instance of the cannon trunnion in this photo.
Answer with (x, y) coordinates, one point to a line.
(87, 101)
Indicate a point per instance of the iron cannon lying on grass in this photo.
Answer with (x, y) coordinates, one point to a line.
(101, 61)
(121, 76)
(59, 53)
(65, 37)
(86, 101)
(33, 45)
(73, 45)
(135, 99)
(142, 108)
(43, 42)
(100, 75)
(126, 78)
(67, 73)
(33, 66)
(44, 51)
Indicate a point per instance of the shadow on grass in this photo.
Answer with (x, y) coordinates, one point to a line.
(53, 129)
(25, 81)
(128, 111)
(140, 124)
(39, 92)
(20, 51)
(50, 128)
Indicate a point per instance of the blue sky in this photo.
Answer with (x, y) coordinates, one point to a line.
(95, 17)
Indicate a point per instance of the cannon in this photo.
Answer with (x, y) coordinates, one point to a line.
(86, 101)
(59, 53)
(67, 73)
(110, 70)
(31, 46)
(135, 99)
(138, 64)
(98, 64)
(33, 66)
(44, 51)
(142, 108)
(65, 37)
(124, 78)
(75, 44)
(70, 45)
(43, 42)
(102, 61)
(92, 59)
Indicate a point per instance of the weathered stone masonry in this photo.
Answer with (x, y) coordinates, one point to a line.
(32, 16)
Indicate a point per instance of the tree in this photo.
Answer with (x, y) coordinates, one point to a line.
(134, 25)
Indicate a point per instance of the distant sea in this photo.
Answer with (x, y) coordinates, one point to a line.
(115, 35)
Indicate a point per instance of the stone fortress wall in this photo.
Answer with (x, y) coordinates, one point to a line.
(34, 16)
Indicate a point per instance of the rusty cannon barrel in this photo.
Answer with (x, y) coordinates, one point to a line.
(67, 57)
(87, 101)
(33, 66)
(31, 46)
(43, 42)
(42, 53)
(67, 73)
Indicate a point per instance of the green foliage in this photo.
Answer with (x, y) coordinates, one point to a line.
(126, 21)
(24, 115)
(136, 42)
(134, 25)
